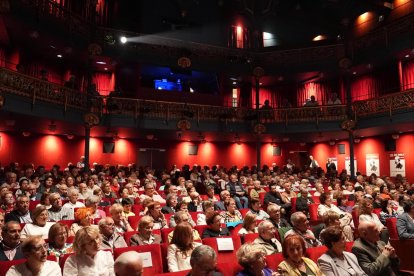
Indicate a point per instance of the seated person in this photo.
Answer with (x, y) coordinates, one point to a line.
(214, 228)
(145, 235)
(40, 226)
(203, 260)
(183, 207)
(273, 196)
(58, 236)
(121, 223)
(208, 207)
(83, 218)
(337, 261)
(93, 203)
(181, 247)
(34, 250)
(405, 222)
(254, 193)
(128, 264)
(182, 216)
(88, 259)
(73, 202)
(252, 258)
(304, 199)
(366, 214)
(295, 262)
(57, 211)
(267, 238)
(274, 217)
(224, 197)
(249, 224)
(232, 214)
(300, 225)
(195, 204)
(110, 238)
(10, 245)
(127, 206)
(374, 256)
(171, 204)
(331, 218)
(255, 209)
(154, 211)
(21, 212)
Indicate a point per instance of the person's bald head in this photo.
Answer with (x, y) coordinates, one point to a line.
(369, 231)
(129, 264)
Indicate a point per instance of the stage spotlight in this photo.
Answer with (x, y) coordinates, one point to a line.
(123, 39)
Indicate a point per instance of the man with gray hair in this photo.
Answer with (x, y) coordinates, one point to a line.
(300, 225)
(267, 238)
(182, 216)
(110, 239)
(57, 211)
(203, 261)
(129, 264)
(93, 202)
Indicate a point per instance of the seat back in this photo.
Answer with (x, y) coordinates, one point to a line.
(316, 199)
(133, 221)
(274, 260)
(314, 253)
(33, 204)
(178, 273)
(348, 246)
(391, 224)
(313, 212)
(194, 215)
(293, 202)
(244, 211)
(404, 248)
(164, 234)
(154, 249)
(248, 238)
(62, 260)
(223, 256)
(200, 229)
(128, 235)
(5, 265)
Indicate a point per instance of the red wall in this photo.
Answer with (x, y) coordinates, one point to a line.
(51, 149)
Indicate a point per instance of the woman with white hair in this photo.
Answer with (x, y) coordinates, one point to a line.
(252, 257)
(88, 259)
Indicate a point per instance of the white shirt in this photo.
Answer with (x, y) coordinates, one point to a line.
(372, 217)
(82, 265)
(49, 268)
(177, 261)
(35, 230)
(70, 205)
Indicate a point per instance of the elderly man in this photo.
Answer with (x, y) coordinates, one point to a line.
(273, 196)
(237, 192)
(224, 197)
(182, 216)
(10, 245)
(203, 261)
(374, 256)
(57, 211)
(274, 217)
(267, 238)
(73, 199)
(110, 239)
(21, 212)
(300, 227)
(149, 192)
(129, 264)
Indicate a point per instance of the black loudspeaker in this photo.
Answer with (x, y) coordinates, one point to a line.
(390, 145)
(277, 151)
(192, 150)
(341, 148)
(108, 147)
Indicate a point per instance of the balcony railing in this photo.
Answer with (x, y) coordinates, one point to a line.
(15, 83)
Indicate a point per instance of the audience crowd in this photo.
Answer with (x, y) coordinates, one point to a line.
(73, 221)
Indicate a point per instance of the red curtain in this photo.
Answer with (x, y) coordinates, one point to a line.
(321, 91)
(264, 94)
(407, 75)
(364, 88)
(105, 82)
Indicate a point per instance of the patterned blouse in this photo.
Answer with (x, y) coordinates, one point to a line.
(58, 252)
(227, 217)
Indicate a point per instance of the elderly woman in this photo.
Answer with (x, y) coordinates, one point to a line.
(255, 209)
(331, 218)
(181, 247)
(145, 235)
(88, 259)
(214, 228)
(182, 206)
(127, 205)
(387, 211)
(338, 262)
(40, 225)
(7, 201)
(83, 218)
(208, 208)
(35, 251)
(232, 214)
(295, 263)
(73, 202)
(210, 194)
(93, 203)
(154, 211)
(58, 236)
(326, 205)
(252, 258)
(366, 214)
(121, 222)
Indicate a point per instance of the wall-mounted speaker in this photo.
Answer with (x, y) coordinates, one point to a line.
(341, 148)
(108, 147)
(192, 149)
(277, 151)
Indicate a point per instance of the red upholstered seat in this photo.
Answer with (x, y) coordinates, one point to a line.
(248, 238)
(316, 199)
(194, 215)
(274, 260)
(133, 221)
(62, 260)
(229, 269)
(377, 211)
(5, 265)
(168, 217)
(404, 250)
(314, 253)
(200, 229)
(164, 234)
(293, 202)
(244, 211)
(355, 218)
(128, 235)
(154, 249)
(391, 224)
(313, 212)
(33, 204)
(348, 246)
(178, 273)
(224, 256)
(136, 208)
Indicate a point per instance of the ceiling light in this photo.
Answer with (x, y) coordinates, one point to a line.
(380, 18)
(395, 136)
(234, 83)
(123, 39)
(357, 140)
(101, 62)
(319, 38)
(407, 56)
(59, 55)
(191, 90)
(331, 142)
(26, 133)
(354, 73)
(70, 136)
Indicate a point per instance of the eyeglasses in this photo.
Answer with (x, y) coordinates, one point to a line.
(40, 247)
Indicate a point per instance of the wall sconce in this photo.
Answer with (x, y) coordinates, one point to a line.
(70, 136)
(302, 144)
(26, 133)
(395, 136)
(331, 142)
(357, 140)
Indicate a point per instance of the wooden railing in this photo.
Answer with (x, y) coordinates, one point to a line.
(19, 84)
